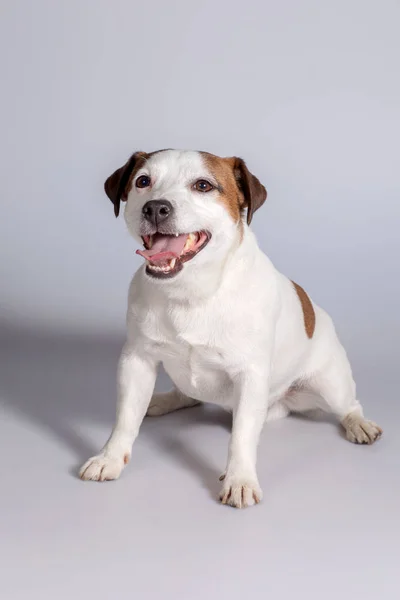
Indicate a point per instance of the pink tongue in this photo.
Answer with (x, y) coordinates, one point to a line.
(164, 247)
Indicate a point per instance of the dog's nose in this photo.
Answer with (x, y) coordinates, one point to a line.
(157, 211)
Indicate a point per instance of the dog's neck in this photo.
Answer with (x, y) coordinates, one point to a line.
(203, 282)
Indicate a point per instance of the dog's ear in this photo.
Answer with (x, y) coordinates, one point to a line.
(116, 186)
(254, 193)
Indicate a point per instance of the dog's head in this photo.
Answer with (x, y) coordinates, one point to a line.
(184, 206)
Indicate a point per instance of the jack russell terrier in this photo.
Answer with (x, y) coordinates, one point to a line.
(226, 325)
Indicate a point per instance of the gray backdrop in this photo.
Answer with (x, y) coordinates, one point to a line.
(308, 92)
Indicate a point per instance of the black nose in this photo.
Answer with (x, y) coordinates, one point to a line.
(157, 211)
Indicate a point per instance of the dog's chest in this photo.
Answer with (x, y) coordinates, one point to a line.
(193, 352)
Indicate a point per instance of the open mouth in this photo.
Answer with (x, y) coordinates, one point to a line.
(165, 254)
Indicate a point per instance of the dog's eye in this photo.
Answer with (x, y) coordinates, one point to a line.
(202, 185)
(142, 182)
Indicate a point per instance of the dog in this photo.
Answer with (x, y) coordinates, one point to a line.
(226, 325)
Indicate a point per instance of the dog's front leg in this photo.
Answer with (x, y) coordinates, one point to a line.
(136, 379)
(241, 487)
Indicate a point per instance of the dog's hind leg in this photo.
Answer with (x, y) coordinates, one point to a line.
(336, 386)
(277, 411)
(162, 404)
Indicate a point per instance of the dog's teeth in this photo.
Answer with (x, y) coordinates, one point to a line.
(154, 267)
(189, 242)
(163, 268)
(177, 235)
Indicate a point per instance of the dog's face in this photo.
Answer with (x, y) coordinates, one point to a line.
(185, 207)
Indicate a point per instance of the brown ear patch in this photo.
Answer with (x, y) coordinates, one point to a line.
(308, 310)
(254, 193)
(222, 170)
(239, 189)
(118, 185)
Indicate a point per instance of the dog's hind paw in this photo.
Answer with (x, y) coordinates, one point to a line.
(360, 431)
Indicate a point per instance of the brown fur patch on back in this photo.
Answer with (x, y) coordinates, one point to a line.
(308, 310)
(223, 171)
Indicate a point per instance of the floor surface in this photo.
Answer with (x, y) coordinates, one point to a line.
(328, 526)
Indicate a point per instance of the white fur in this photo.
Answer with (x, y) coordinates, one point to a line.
(229, 329)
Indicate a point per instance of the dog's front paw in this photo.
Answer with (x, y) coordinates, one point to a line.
(240, 491)
(103, 468)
